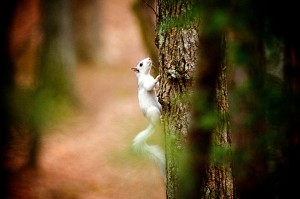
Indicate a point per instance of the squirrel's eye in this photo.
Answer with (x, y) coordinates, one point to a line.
(141, 64)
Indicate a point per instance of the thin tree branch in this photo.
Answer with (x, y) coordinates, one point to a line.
(150, 7)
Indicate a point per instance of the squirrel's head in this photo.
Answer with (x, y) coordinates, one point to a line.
(143, 67)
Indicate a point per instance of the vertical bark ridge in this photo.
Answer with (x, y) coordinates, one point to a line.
(177, 46)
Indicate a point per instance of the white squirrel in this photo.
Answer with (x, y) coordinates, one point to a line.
(151, 109)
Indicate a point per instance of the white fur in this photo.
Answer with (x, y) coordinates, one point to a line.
(151, 109)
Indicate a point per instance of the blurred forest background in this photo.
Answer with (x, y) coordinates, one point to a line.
(69, 106)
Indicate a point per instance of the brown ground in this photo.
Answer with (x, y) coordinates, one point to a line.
(89, 156)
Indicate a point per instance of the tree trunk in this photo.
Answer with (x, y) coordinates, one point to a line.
(206, 171)
(210, 133)
(54, 85)
(292, 117)
(248, 109)
(6, 83)
(85, 20)
(220, 178)
(209, 136)
(177, 46)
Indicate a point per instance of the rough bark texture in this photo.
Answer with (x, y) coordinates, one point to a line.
(209, 136)
(178, 43)
(220, 178)
(178, 46)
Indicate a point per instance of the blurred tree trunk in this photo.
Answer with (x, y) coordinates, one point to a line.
(86, 29)
(57, 58)
(212, 81)
(248, 123)
(292, 117)
(248, 116)
(209, 135)
(6, 83)
(54, 85)
(177, 60)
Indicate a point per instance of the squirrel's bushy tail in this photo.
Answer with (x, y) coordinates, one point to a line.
(151, 151)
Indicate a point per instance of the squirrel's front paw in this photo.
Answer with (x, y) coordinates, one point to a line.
(158, 78)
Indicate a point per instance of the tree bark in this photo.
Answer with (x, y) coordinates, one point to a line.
(220, 179)
(209, 136)
(205, 171)
(178, 50)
